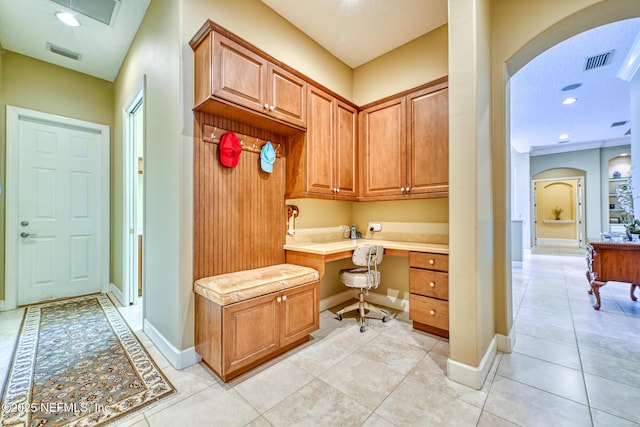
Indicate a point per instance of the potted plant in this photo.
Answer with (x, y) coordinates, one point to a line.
(556, 212)
(633, 227)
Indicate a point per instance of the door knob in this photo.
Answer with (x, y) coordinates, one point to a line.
(24, 223)
(25, 234)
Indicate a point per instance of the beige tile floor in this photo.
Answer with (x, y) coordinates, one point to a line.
(571, 365)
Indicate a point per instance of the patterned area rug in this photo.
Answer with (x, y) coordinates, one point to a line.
(78, 363)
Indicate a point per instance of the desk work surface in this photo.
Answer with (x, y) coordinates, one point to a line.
(327, 248)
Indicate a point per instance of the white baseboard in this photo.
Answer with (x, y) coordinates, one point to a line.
(333, 300)
(179, 359)
(116, 293)
(373, 298)
(472, 376)
(507, 342)
(387, 301)
(565, 243)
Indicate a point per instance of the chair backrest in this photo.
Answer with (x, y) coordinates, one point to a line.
(367, 255)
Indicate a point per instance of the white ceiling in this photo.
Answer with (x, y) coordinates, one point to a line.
(356, 31)
(26, 26)
(538, 117)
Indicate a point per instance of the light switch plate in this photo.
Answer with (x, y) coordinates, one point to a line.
(375, 226)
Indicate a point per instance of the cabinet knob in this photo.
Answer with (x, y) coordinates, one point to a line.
(432, 261)
(432, 284)
(278, 299)
(284, 297)
(432, 312)
(266, 106)
(402, 189)
(272, 107)
(337, 190)
(408, 189)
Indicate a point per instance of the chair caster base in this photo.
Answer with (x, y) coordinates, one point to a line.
(385, 319)
(363, 328)
(339, 317)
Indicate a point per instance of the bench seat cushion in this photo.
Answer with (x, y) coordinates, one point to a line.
(225, 289)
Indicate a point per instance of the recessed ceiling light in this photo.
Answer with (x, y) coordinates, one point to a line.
(569, 101)
(564, 136)
(68, 19)
(572, 87)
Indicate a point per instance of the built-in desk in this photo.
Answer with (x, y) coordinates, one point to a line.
(428, 274)
(315, 255)
(609, 261)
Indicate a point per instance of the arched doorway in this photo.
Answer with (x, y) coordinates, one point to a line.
(558, 208)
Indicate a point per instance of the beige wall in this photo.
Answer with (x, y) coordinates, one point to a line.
(2, 175)
(420, 61)
(155, 54)
(256, 23)
(29, 83)
(518, 31)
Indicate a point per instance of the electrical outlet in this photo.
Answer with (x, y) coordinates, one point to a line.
(375, 226)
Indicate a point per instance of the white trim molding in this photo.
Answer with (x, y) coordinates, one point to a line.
(373, 298)
(506, 343)
(333, 300)
(179, 359)
(472, 376)
(117, 293)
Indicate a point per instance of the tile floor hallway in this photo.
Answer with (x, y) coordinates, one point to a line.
(571, 366)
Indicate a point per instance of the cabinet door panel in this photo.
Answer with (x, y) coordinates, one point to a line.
(239, 75)
(320, 142)
(429, 142)
(346, 142)
(287, 96)
(383, 131)
(300, 313)
(251, 331)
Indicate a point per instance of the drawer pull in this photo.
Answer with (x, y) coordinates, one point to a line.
(432, 312)
(432, 284)
(432, 261)
(284, 298)
(278, 299)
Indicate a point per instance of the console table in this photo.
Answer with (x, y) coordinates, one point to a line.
(612, 261)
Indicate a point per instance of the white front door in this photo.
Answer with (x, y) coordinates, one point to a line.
(59, 204)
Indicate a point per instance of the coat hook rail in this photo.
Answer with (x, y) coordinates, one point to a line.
(213, 134)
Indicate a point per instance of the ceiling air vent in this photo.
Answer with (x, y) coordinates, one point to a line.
(622, 123)
(100, 10)
(62, 51)
(598, 61)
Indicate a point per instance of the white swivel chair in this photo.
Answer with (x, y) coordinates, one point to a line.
(365, 277)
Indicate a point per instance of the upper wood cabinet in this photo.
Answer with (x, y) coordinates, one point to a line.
(405, 142)
(331, 146)
(235, 73)
(383, 132)
(428, 141)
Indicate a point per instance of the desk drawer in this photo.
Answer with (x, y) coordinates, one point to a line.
(429, 311)
(439, 262)
(429, 283)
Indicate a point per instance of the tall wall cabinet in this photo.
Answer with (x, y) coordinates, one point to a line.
(405, 145)
(331, 146)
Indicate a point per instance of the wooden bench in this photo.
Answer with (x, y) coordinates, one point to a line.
(248, 317)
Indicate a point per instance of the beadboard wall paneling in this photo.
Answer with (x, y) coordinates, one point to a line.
(239, 213)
